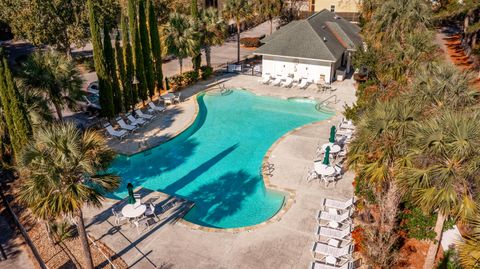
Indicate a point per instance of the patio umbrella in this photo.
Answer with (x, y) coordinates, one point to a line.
(326, 158)
(333, 131)
(131, 199)
(167, 85)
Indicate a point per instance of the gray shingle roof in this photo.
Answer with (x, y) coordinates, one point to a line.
(322, 36)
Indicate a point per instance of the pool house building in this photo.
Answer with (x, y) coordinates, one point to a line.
(319, 48)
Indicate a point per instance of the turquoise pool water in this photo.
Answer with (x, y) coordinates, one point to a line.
(216, 162)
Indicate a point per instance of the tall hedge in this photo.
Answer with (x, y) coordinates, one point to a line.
(128, 65)
(197, 58)
(112, 69)
(146, 48)
(15, 114)
(156, 46)
(105, 88)
(137, 51)
(120, 67)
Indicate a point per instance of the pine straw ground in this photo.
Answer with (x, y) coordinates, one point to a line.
(52, 254)
(458, 57)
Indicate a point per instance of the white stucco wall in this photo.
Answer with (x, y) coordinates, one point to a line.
(312, 70)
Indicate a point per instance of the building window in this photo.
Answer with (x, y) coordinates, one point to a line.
(312, 5)
(332, 8)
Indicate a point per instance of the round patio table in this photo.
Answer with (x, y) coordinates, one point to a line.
(333, 147)
(322, 169)
(133, 211)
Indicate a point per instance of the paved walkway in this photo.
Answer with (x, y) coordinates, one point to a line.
(17, 257)
(285, 243)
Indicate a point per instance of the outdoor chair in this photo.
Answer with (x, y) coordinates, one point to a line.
(327, 216)
(150, 211)
(135, 121)
(288, 82)
(277, 81)
(266, 79)
(155, 108)
(118, 216)
(177, 99)
(327, 250)
(330, 203)
(321, 265)
(114, 133)
(328, 179)
(145, 222)
(123, 125)
(303, 83)
(144, 115)
(342, 234)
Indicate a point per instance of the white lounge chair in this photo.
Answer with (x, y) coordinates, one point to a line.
(303, 83)
(155, 108)
(114, 133)
(288, 82)
(321, 265)
(330, 203)
(328, 216)
(143, 115)
(266, 79)
(327, 250)
(335, 233)
(277, 81)
(135, 121)
(124, 125)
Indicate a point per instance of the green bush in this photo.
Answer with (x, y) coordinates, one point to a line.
(205, 72)
(189, 78)
(416, 223)
(365, 191)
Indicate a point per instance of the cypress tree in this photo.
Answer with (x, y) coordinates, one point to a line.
(146, 51)
(15, 114)
(137, 52)
(197, 58)
(105, 88)
(120, 66)
(111, 68)
(156, 46)
(128, 65)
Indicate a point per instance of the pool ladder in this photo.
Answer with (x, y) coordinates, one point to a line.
(324, 103)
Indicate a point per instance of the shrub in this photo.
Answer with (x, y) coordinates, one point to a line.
(417, 224)
(189, 78)
(205, 72)
(250, 42)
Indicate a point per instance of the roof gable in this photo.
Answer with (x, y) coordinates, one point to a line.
(322, 36)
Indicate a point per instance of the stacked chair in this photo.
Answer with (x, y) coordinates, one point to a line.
(334, 247)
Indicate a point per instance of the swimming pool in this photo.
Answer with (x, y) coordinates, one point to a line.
(216, 162)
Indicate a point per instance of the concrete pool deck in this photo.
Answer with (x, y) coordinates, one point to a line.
(284, 243)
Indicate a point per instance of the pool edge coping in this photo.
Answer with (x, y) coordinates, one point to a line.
(290, 194)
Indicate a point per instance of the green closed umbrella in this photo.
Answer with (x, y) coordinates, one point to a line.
(333, 131)
(167, 85)
(131, 199)
(326, 158)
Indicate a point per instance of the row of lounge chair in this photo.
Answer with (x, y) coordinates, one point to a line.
(134, 122)
(285, 81)
(333, 248)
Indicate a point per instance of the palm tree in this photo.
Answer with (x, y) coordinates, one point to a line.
(55, 76)
(180, 37)
(269, 9)
(239, 11)
(63, 232)
(60, 168)
(469, 249)
(213, 31)
(444, 166)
